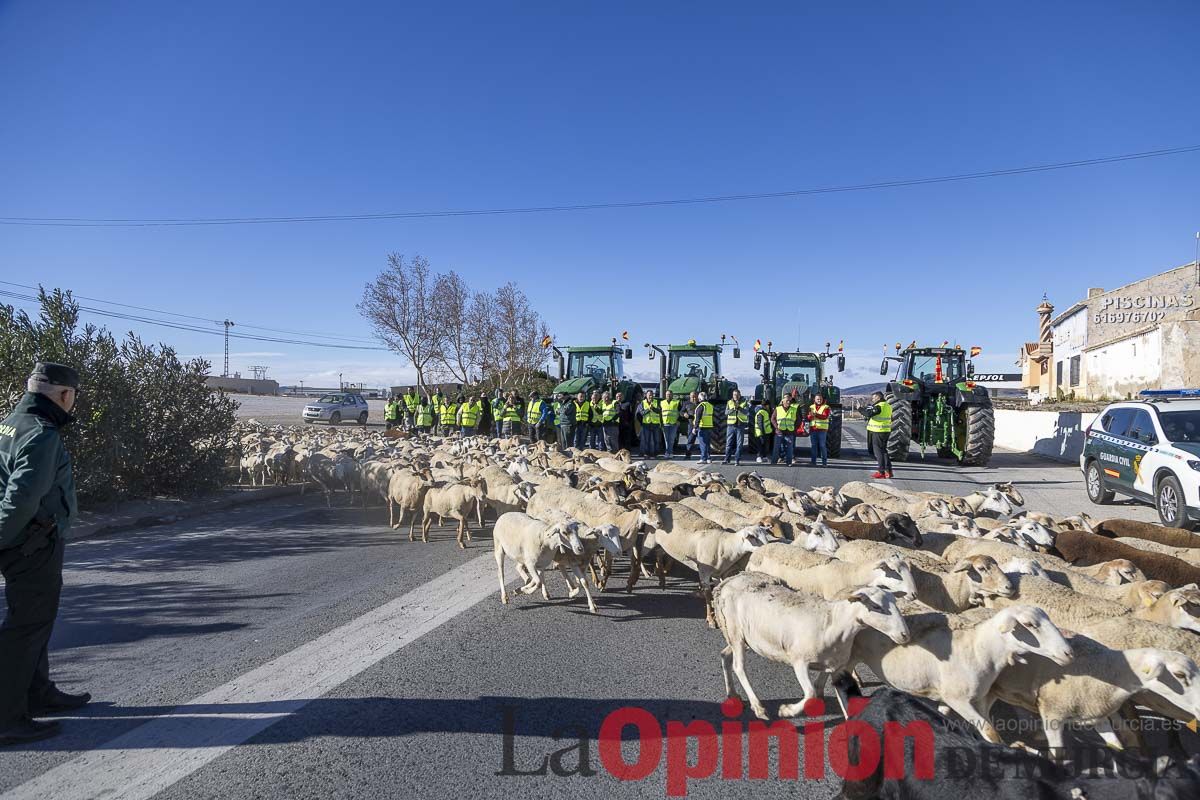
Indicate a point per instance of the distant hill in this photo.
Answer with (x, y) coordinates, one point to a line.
(865, 389)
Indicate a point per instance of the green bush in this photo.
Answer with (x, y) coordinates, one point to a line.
(146, 425)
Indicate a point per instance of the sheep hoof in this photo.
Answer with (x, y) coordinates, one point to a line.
(573, 593)
(504, 599)
(592, 609)
(761, 713)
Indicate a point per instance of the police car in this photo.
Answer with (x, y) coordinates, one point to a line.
(1148, 449)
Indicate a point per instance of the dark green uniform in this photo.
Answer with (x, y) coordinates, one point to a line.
(36, 508)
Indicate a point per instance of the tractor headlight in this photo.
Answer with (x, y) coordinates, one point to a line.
(1194, 465)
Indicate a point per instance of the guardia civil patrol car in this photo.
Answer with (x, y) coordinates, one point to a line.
(1148, 449)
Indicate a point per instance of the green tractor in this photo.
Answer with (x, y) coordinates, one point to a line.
(691, 367)
(936, 404)
(600, 368)
(804, 373)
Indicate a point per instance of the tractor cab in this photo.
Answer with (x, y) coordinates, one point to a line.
(937, 369)
(584, 369)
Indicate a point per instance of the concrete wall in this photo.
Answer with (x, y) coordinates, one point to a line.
(1056, 434)
(1181, 353)
(1125, 367)
(242, 385)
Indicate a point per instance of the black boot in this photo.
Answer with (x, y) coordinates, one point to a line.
(28, 730)
(56, 700)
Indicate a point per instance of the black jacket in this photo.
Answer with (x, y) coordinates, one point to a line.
(35, 470)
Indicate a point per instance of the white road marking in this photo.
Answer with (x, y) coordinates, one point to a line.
(153, 756)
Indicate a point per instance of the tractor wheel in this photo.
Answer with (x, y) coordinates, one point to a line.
(901, 433)
(833, 439)
(977, 432)
(717, 438)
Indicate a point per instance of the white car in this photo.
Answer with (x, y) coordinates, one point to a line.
(334, 408)
(1148, 449)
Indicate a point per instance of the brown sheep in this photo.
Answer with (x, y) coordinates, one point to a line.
(1151, 532)
(1079, 547)
(895, 527)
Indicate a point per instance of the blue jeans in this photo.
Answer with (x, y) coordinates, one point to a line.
(703, 434)
(733, 444)
(581, 435)
(669, 434)
(818, 446)
(786, 443)
(648, 446)
(564, 436)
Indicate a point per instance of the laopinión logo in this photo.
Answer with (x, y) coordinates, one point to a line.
(697, 750)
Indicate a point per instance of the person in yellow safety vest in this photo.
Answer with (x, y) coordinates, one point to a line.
(510, 416)
(438, 402)
(449, 416)
(819, 414)
(737, 420)
(762, 433)
(583, 419)
(391, 414)
(650, 410)
(425, 416)
(536, 414)
(595, 430)
(468, 416)
(610, 424)
(879, 429)
(411, 401)
(785, 430)
(669, 407)
(702, 422)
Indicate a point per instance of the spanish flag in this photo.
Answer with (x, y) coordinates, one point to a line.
(976, 351)
(913, 346)
(625, 335)
(546, 340)
(757, 345)
(841, 345)
(946, 343)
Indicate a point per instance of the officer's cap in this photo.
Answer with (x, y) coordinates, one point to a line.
(57, 374)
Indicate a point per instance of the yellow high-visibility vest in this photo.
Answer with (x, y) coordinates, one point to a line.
(881, 422)
(705, 412)
(735, 413)
(762, 423)
(818, 423)
(424, 415)
(785, 419)
(469, 414)
(448, 412)
(650, 415)
(609, 412)
(583, 411)
(670, 411)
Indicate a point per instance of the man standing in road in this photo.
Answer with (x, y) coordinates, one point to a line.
(36, 509)
(737, 419)
(819, 414)
(468, 417)
(391, 413)
(703, 420)
(610, 422)
(583, 420)
(649, 411)
(564, 414)
(785, 430)
(411, 401)
(879, 428)
(536, 413)
(669, 407)
(762, 433)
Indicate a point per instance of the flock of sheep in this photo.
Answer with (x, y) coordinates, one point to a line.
(964, 600)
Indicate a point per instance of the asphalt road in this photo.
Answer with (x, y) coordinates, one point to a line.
(290, 650)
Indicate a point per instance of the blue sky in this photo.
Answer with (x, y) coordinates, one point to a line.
(225, 109)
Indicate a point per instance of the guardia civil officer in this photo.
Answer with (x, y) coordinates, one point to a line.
(36, 509)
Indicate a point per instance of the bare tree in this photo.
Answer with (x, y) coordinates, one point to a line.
(519, 331)
(458, 358)
(400, 307)
(481, 333)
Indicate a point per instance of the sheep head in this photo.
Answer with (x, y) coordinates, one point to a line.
(895, 575)
(821, 538)
(986, 577)
(1119, 571)
(1023, 566)
(1034, 535)
(609, 537)
(1026, 630)
(750, 480)
(1183, 604)
(1011, 492)
(750, 539)
(876, 608)
(901, 528)
(564, 537)
(1170, 675)
(993, 501)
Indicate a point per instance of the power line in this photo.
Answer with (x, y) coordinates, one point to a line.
(202, 319)
(195, 328)
(95, 222)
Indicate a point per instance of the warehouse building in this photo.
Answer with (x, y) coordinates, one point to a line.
(1112, 344)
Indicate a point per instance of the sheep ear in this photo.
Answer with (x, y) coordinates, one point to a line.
(962, 566)
(1007, 624)
(1152, 666)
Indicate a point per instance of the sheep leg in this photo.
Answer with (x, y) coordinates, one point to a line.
(572, 586)
(636, 568)
(462, 532)
(391, 514)
(412, 521)
(705, 576)
(788, 710)
(967, 711)
(586, 593)
(592, 570)
(727, 671)
(1105, 729)
(545, 586)
(500, 570)
(660, 567)
(425, 523)
(739, 668)
(534, 581)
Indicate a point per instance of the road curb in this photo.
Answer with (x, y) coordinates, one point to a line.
(185, 511)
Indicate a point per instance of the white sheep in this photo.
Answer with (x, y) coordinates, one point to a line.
(957, 664)
(831, 576)
(796, 628)
(711, 553)
(455, 501)
(534, 546)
